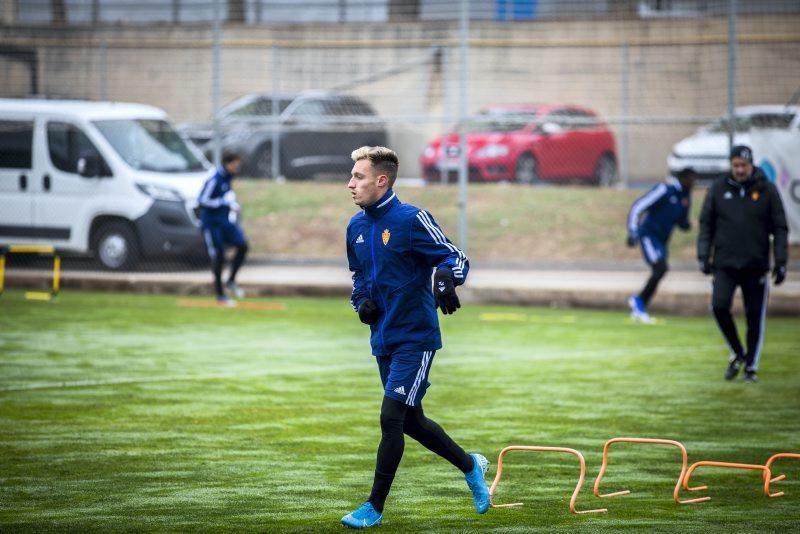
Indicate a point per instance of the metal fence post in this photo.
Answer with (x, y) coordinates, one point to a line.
(624, 104)
(176, 11)
(215, 82)
(444, 171)
(731, 71)
(463, 171)
(103, 68)
(276, 115)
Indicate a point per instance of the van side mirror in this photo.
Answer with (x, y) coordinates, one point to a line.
(88, 165)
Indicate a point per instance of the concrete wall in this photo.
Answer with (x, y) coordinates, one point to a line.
(675, 68)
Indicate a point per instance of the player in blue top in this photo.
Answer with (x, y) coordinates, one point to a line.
(218, 218)
(650, 222)
(392, 249)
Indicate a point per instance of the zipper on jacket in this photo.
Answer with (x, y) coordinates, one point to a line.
(377, 287)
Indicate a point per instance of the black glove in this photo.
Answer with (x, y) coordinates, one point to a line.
(368, 312)
(779, 274)
(704, 265)
(444, 291)
(631, 241)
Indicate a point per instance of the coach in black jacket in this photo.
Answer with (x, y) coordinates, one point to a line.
(740, 213)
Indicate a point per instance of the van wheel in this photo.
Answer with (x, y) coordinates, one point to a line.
(115, 246)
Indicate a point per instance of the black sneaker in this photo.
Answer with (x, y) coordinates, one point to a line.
(733, 369)
(750, 376)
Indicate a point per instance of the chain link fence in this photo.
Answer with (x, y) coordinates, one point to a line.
(548, 92)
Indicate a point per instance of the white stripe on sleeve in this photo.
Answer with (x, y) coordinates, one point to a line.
(642, 204)
(438, 237)
(205, 196)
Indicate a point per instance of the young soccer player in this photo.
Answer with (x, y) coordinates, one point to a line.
(393, 248)
(650, 222)
(217, 205)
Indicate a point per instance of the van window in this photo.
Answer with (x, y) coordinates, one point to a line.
(66, 144)
(150, 145)
(16, 142)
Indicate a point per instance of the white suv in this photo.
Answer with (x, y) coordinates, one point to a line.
(707, 150)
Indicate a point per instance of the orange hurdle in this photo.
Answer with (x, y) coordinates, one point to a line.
(531, 448)
(754, 467)
(779, 477)
(675, 492)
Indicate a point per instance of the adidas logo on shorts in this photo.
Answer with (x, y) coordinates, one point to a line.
(401, 390)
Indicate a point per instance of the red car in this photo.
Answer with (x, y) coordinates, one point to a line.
(527, 144)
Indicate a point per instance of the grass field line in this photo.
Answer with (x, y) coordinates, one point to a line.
(307, 369)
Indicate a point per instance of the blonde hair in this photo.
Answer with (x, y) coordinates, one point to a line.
(383, 160)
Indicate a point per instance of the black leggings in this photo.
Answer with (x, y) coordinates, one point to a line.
(397, 419)
(659, 269)
(217, 263)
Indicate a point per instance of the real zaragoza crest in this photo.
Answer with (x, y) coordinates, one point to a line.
(385, 236)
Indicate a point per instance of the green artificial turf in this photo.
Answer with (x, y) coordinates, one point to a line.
(128, 413)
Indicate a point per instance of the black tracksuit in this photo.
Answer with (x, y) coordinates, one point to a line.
(736, 222)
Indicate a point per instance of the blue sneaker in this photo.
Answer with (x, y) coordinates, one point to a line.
(638, 310)
(364, 516)
(476, 483)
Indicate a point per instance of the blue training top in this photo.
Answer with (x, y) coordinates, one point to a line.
(656, 213)
(392, 250)
(214, 205)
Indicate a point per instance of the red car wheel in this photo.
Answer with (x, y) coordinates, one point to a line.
(527, 170)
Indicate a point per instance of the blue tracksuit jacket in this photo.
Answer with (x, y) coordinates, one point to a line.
(392, 250)
(663, 207)
(214, 208)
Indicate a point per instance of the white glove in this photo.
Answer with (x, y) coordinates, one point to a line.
(230, 200)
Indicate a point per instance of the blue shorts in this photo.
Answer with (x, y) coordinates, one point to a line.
(404, 375)
(217, 236)
(653, 249)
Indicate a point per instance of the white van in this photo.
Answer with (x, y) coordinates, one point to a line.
(107, 178)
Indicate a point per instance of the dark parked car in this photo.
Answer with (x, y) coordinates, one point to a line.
(315, 132)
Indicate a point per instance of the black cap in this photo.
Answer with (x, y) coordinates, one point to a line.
(684, 172)
(742, 151)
